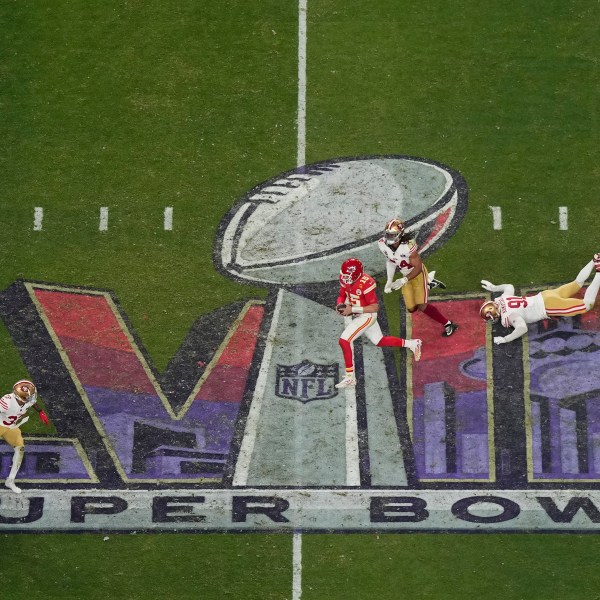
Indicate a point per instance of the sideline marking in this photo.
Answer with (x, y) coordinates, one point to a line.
(103, 225)
(497, 217)
(240, 477)
(168, 218)
(297, 565)
(38, 217)
(301, 155)
(563, 218)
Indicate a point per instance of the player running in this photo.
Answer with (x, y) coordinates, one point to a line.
(357, 298)
(401, 252)
(517, 311)
(13, 407)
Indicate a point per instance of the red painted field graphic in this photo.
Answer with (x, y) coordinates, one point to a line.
(150, 441)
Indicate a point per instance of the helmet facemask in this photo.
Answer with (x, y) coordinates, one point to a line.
(394, 230)
(489, 311)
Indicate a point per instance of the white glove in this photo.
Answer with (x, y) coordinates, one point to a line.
(499, 340)
(487, 285)
(399, 283)
(388, 287)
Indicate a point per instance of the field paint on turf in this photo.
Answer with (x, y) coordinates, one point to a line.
(301, 153)
(496, 217)
(297, 565)
(242, 467)
(38, 217)
(352, 455)
(563, 218)
(103, 225)
(169, 218)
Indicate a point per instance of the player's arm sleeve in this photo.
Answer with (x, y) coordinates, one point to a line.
(341, 299)
(520, 329)
(390, 268)
(507, 289)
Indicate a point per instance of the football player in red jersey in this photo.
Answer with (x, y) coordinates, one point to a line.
(516, 311)
(401, 252)
(13, 407)
(357, 298)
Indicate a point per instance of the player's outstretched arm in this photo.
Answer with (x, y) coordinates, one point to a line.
(505, 288)
(520, 329)
(390, 268)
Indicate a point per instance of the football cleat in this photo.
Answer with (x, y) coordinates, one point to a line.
(393, 232)
(449, 329)
(489, 311)
(436, 283)
(597, 262)
(24, 389)
(351, 270)
(348, 381)
(10, 484)
(415, 347)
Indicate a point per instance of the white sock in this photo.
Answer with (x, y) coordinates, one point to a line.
(585, 273)
(590, 294)
(16, 461)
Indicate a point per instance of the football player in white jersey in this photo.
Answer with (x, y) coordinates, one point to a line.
(13, 407)
(401, 252)
(517, 311)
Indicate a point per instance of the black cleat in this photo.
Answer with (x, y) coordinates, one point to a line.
(449, 329)
(436, 283)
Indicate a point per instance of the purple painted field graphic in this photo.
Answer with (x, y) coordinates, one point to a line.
(148, 439)
(450, 407)
(564, 392)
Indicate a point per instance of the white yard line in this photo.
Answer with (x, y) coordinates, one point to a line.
(168, 218)
(38, 217)
(297, 565)
(352, 457)
(103, 225)
(563, 218)
(242, 467)
(300, 160)
(301, 154)
(496, 217)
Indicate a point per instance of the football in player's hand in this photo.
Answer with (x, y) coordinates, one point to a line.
(340, 308)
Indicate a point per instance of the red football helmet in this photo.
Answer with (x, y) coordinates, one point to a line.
(351, 270)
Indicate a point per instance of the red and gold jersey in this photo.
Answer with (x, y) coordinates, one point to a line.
(360, 293)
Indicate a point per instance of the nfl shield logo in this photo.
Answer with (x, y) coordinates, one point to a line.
(307, 381)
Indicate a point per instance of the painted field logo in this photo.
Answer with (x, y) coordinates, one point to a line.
(232, 436)
(307, 381)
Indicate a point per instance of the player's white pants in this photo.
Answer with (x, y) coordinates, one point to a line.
(363, 324)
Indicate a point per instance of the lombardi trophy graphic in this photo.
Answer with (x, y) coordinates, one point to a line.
(291, 234)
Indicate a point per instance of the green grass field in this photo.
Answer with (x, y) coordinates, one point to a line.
(140, 105)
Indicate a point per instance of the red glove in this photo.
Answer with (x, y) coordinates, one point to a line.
(44, 418)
